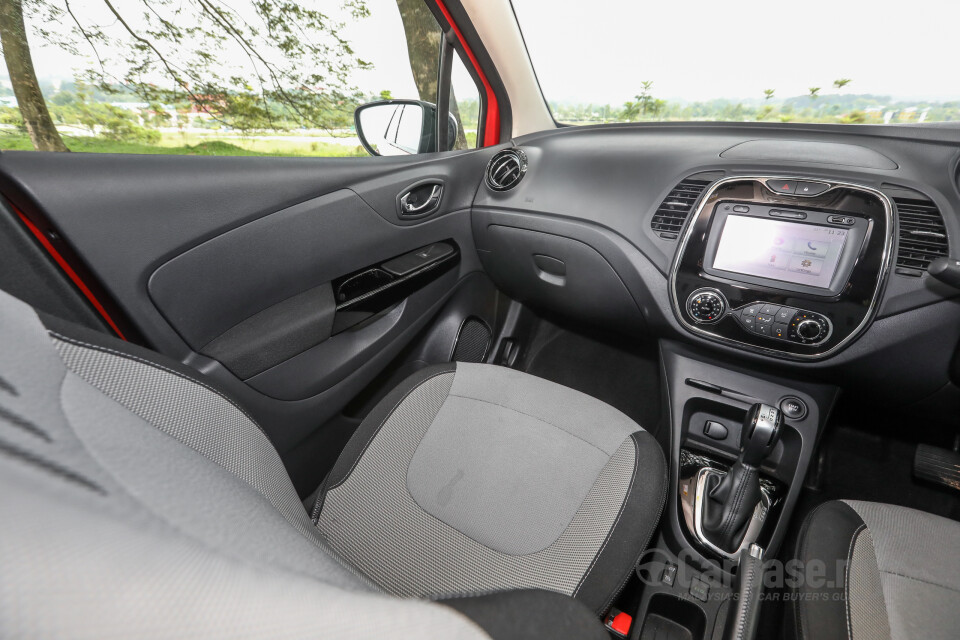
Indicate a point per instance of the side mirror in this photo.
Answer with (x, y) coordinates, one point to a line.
(400, 127)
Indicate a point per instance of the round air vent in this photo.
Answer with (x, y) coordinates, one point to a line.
(506, 169)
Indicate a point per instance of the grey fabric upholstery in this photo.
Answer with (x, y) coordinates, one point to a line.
(78, 563)
(136, 500)
(918, 556)
(111, 526)
(473, 478)
(866, 610)
(897, 575)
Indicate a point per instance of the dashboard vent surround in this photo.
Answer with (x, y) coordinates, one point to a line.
(923, 235)
(672, 213)
(506, 169)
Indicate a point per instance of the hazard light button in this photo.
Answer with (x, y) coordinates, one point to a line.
(782, 186)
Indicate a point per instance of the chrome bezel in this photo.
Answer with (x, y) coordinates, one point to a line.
(757, 520)
(886, 260)
(723, 302)
(521, 159)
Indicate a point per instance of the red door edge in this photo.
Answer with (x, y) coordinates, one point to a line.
(491, 125)
(67, 269)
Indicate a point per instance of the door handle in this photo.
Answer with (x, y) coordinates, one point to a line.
(431, 202)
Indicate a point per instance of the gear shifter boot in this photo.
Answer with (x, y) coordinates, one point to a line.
(730, 500)
(729, 504)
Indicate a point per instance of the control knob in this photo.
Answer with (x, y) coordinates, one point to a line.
(706, 306)
(809, 329)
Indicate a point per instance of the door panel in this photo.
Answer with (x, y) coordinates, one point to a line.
(236, 258)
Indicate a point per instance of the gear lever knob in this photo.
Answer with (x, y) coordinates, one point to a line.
(759, 434)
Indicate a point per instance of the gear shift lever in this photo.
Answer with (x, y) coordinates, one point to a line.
(730, 500)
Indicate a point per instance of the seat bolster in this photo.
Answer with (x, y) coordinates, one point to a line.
(530, 614)
(631, 533)
(370, 427)
(819, 609)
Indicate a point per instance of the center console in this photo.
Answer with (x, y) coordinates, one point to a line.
(741, 442)
(786, 267)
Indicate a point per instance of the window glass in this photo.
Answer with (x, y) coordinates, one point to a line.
(823, 61)
(244, 77)
(464, 105)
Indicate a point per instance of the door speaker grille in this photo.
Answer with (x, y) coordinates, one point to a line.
(473, 340)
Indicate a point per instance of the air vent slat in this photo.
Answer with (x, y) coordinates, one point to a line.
(672, 213)
(506, 169)
(922, 234)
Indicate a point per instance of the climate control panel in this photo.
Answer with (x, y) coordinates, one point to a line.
(778, 322)
(783, 323)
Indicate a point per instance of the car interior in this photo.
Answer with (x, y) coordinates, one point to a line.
(656, 380)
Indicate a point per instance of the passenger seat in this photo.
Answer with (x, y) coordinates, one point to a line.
(137, 499)
(892, 573)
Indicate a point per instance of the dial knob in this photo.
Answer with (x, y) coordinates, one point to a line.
(809, 330)
(706, 306)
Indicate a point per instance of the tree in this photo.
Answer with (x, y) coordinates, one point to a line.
(423, 48)
(250, 64)
(841, 83)
(646, 104)
(16, 51)
(768, 93)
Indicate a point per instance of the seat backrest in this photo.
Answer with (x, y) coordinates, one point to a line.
(137, 499)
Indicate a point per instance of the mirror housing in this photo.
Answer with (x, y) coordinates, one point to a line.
(400, 127)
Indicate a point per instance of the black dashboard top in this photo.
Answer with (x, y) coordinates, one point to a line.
(603, 185)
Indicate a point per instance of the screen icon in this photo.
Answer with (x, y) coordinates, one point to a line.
(808, 266)
(809, 248)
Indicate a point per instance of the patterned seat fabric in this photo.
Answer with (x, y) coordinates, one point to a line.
(891, 573)
(473, 478)
(139, 500)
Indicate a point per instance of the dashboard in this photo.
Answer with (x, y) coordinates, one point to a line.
(793, 247)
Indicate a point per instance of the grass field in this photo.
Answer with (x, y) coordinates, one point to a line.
(175, 144)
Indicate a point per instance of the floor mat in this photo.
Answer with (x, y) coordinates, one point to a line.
(625, 378)
(864, 466)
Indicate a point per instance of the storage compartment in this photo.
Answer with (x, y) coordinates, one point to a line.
(670, 618)
(557, 274)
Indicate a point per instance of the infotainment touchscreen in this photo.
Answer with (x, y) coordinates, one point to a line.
(805, 254)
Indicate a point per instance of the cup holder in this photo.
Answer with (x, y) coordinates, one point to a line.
(670, 618)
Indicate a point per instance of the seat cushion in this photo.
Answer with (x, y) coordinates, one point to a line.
(474, 478)
(137, 501)
(890, 573)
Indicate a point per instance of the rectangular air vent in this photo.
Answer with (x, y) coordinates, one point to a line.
(673, 211)
(923, 236)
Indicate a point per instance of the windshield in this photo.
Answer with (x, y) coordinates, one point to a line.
(825, 61)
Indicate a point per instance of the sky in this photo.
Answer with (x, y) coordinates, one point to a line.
(600, 51)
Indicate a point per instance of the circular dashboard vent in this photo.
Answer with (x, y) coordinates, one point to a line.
(506, 169)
